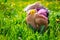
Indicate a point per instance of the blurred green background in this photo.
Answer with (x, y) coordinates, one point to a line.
(14, 27)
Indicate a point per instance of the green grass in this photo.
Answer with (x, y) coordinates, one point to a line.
(14, 27)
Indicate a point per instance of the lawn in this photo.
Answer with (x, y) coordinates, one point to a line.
(14, 27)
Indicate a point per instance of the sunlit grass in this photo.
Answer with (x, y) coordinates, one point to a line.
(14, 27)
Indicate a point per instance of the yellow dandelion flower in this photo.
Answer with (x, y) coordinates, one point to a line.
(57, 20)
(32, 11)
(20, 5)
(13, 4)
(27, 3)
(47, 3)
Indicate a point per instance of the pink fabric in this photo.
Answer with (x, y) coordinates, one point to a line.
(43, 12)
(42, 16)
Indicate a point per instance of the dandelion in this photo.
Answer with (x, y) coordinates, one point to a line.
(47, 3)
(27, 3)
(32, 11)
(57, 20)
(13, 4)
